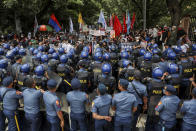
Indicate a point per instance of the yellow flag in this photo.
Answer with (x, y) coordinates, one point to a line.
(80, 20)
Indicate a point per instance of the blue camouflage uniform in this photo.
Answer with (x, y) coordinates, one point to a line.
(101, 106)
(142, 90)
(10, 102)
(77, 100)
(167, 109)
(123, 102)
(32, 107)
(188, 109)
(52, 104)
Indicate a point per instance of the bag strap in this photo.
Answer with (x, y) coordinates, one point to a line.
(4, 93)
(136, 90)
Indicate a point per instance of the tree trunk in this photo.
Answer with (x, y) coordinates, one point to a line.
(175, 10)
(18, 23)
(174, 7)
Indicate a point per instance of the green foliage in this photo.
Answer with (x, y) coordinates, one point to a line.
(157, 11)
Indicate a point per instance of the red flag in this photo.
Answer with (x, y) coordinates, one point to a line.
(117, 26)
(124, 25)
(133, 20)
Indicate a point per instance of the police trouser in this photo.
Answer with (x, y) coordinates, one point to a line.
(33, 121)
(185, 88)
(122, 124)
(12, 120)
(78, 119)
(101, 125)
(54, 123)
(188, 127)
(151, 123)
(136, 115)
(2, 121)
(165, 125)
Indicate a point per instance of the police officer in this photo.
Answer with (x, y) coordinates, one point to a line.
(124, 56)
(146, 65)
(106, 78)
(84, 77)
(77, 100)
(96, 65)
(163, 64)
(127, 71)
(66, 73)
(84, 59)
(155, 92)
(188, 110)
(37, 59)
(139, 90)
(141, 57)
(186, 71)
(101, 107)
(23, 75)
(124, 105)
(167, 108)
(53, 108)
(10, 98)
(44, 60)
(3, 68)
(16, 67)
(32, 104)
(156, 57)
(39, 78)
(173, 78)
(171, 57)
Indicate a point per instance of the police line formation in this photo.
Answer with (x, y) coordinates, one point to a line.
(127, 80)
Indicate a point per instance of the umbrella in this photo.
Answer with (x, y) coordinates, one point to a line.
(45, 28)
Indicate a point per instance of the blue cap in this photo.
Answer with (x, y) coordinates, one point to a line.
(7, 81)
(75, 83)
(194, 91)
(170, 88)
(51, 84)
(102, 88)
(124, 82)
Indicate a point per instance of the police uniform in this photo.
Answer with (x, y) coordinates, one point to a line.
(10, 103)
(188, 110)
(21, 80)
(167, 108)
(32, 107)
(64, 71)
(40, 82)
(123, 102)
(77, 100)
(146, 68)
(84, 77)
(186, 71)
(15, 70)
(96, 67)
(141, 92)
(155, 92)
(101, 106)
(52, 104)
(108, 81)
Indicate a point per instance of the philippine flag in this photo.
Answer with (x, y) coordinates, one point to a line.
(54, 22)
